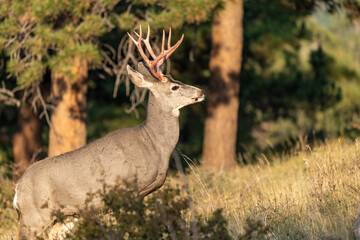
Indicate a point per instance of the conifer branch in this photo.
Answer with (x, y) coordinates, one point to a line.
(8, 96)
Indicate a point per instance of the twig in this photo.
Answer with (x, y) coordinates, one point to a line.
(135, 103)
(34, 156)
(44, 107)
(8, 97)
(115, 65)
(198, 177)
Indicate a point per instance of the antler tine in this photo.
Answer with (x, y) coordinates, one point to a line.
(163, 43)
(162, 54)
(135, 42)
(170, 51)
(155, 65)
(173, 48)
(141, 51)
(147, 43)
(148, 33)
(169, 39)
(138, 45)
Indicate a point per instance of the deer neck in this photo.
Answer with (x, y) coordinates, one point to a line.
(162, 125)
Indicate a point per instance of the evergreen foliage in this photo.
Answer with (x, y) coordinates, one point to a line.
(285, 81)
(41, 35)
(291, 78)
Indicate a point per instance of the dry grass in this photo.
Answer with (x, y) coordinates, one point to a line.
(313, 194)
(8, 215)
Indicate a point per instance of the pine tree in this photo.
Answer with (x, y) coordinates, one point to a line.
(64, 39)
(219, 149)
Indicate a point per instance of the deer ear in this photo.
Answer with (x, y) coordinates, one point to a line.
(145, 71)
(137, 78)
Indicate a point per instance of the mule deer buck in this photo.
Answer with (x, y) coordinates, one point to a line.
(142, 153)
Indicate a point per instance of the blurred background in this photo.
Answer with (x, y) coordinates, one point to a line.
(276, 73)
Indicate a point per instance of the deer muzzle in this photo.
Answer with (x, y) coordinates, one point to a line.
(200, 96)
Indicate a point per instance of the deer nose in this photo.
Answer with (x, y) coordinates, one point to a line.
(203, 93)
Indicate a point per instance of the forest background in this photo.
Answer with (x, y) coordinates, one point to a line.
(63, 68)
(299, 74)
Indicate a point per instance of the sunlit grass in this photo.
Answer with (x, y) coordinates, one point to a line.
(8, 215)
(312, 194)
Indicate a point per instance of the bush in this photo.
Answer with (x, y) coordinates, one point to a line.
(165, 214)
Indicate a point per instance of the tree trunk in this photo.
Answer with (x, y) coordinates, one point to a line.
(219, 148)
(26, 141)
(68, 129)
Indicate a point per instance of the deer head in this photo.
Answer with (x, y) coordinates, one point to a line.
(173, 94)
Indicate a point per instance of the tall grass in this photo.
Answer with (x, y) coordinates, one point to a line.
(8, 215)
(312, 194)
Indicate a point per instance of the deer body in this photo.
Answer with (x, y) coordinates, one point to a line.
(62, 183)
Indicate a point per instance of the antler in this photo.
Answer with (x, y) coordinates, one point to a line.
(155, 64)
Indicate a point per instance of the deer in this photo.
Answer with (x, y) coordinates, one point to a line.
(62, 183)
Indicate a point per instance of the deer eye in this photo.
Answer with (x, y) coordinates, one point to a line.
(174, 88)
